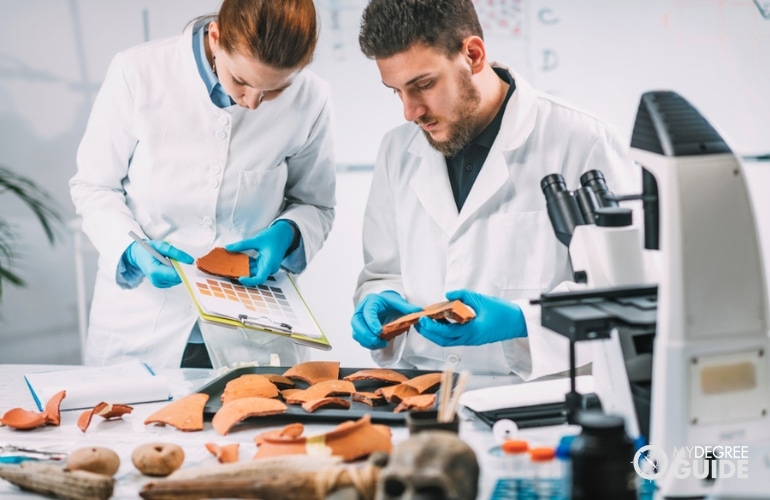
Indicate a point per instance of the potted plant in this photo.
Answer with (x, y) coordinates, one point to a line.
(44, 208)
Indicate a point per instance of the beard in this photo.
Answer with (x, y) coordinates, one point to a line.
(462, 130)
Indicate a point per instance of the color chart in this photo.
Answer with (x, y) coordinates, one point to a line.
(274, 306)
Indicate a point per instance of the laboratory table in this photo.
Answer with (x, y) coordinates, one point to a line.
(124, 435)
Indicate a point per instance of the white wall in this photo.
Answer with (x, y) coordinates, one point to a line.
(600, 54)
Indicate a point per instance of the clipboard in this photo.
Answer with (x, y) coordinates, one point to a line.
(275, 307)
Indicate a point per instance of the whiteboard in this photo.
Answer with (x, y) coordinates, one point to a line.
(601, 55)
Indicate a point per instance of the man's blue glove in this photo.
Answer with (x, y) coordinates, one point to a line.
(160, 274)
(496, 319)
(375, 310)
(271, 245)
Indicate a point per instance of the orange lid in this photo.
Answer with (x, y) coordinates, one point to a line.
(542, 454)
(514, 446)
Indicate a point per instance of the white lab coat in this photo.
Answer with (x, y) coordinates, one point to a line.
(160, 159)
(501, 243)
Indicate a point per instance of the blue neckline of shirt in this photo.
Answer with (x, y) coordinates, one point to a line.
(217, 94)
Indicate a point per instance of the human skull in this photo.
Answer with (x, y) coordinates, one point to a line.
(434, 465)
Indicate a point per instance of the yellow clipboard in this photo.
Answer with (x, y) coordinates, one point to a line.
(275, 307)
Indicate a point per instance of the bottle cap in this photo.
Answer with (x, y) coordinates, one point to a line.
(563, 448)
(514, 446)
(542, 454)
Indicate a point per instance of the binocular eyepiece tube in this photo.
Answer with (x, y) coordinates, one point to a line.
(568, 209)
(562, 205)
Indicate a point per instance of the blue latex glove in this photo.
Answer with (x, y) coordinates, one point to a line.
(374, 310)
(496, 319)
(160, 274)
(271, 245)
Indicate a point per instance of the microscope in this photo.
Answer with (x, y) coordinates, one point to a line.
(615, 307)
(710, 370)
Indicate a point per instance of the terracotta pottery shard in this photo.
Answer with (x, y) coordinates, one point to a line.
(286, 394)
(105, 410)
(396, 393)
(279, 380)
(289, 432)
(84, 420)
(21, 419)
(378, 374)
(220, 262)
(369, 398)
(225, 454)
(185, 414)
(52, 412)
(350, 440)
(421, 402)
(420, 384)
(450, 310)
(249, 385)
(328, 402)
(313, 372)
(400, 325)
(239, 409)
(321, 390)
(425, 383)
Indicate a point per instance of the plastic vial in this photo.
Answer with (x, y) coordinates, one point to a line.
(565, 466)
(516, 473)
(546, 474)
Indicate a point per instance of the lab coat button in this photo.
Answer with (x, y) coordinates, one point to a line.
(223, 120)
(222, 134)
(213, 183)
(207, 221)
(453, 359)
(215, 169)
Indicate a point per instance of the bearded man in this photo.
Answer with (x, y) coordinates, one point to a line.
(455, 209)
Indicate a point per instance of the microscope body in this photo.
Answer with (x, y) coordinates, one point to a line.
(711, 363)
(708, 359)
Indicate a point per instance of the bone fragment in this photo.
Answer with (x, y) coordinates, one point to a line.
(53, 480)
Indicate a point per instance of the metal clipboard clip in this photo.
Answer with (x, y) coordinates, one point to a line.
(265, 322)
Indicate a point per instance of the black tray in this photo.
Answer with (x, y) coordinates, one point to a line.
(294, 413)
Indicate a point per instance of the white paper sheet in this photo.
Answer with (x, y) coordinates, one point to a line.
(124, 383)
(524, 394)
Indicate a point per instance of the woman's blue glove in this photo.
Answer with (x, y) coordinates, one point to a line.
(271, 245)
(375, 310)
(496, 319)
(160, 274)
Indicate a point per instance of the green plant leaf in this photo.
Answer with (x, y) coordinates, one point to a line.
(41, 204)
(38, 200)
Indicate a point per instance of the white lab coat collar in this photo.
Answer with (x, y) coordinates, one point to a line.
(430, 182)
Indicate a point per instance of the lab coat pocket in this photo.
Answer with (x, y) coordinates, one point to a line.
(521, 256)
(260, 198)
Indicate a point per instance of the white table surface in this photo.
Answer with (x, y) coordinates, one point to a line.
(124, 435)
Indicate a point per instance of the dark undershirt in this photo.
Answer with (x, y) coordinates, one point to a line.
(464, 167)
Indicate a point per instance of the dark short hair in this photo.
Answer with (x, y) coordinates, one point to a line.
(280, 33)
(392, 26)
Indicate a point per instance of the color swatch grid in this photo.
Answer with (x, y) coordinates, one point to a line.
(275, 306)
(264, 300)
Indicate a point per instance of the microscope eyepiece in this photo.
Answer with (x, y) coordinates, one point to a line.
(563, 208)
(594, 180)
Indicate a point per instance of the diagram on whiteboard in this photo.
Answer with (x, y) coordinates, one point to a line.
(502, 17)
